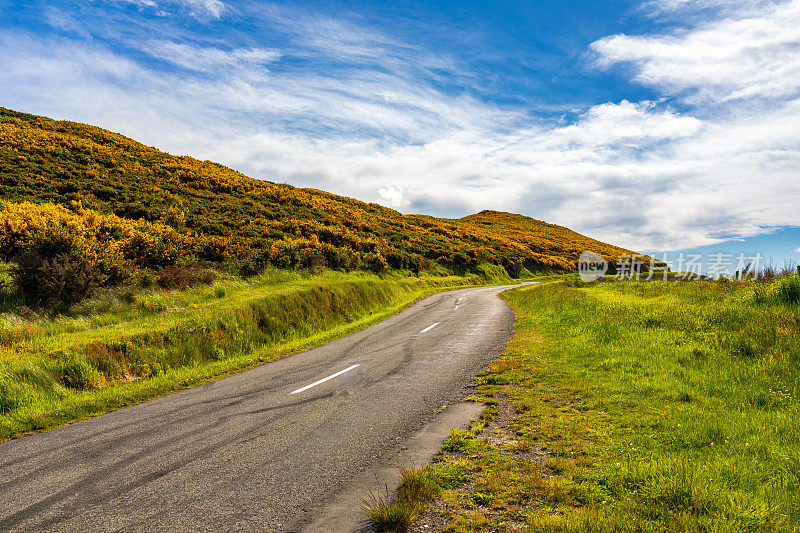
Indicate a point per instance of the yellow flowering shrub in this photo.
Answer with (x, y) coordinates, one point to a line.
(212, 212)
(113, 245)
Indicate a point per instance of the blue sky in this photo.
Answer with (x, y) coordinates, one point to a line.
(657, 125)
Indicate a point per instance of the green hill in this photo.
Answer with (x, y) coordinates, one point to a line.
(85, 168)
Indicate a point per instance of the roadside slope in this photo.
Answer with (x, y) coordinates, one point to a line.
(71, 368)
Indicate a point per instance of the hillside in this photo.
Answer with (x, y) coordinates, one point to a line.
(231, 215)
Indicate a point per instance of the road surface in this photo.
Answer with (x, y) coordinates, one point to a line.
(263, 450)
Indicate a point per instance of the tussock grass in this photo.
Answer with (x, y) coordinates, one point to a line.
(642, 406)
(117, 349)
(787, 290)
(415, 491)
(418, 487)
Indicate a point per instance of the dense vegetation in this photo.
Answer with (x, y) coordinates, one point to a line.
(161, 203)
(634, 406)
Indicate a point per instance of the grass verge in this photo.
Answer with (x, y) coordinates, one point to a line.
(650, 406)
(109, 354)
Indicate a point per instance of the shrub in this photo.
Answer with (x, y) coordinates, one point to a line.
(213, 248)
(376, 262)
(53, 281)
(252, 267)
(514, 268)
(787, 290)
(182, 277)
(339, 260)
(158, 248)
(313, 261)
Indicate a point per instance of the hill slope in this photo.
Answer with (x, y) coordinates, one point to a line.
(81, 166)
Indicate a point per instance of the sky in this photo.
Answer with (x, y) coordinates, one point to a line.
(657, 125)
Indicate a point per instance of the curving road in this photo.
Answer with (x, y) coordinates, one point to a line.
(264, 450)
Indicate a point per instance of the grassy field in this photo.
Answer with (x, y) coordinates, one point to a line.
(119, 348)
(635, 406)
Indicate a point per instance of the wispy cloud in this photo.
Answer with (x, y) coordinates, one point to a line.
(63, 21)
(213, 8)
(204, 9)
(209, 59)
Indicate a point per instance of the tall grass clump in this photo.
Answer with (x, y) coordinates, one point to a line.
(416, 490)
(787, 290)
(418, 487)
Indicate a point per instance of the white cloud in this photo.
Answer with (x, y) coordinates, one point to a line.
(213, 8)
(203, 9)
(754, 54)
(627, 124)
(209, 58)
(63, 21)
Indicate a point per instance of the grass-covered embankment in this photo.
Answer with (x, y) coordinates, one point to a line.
(649, 406)
(115, 350)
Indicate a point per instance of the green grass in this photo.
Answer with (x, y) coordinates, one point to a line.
(652, 406)
(416, 490)
(117, 349)
(787, 290)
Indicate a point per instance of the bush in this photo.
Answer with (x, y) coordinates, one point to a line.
(313, 261)
(514, 268)
(252, 267)
(182, 277)
(787, 290)
(53, 281)
(376, 263)
(213, 249)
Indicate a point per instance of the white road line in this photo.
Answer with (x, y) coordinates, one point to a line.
(429, 328)
(323, 380)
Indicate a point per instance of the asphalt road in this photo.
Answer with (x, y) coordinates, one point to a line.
(263, 450)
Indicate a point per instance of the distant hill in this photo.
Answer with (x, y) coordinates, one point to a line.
(86, 167)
